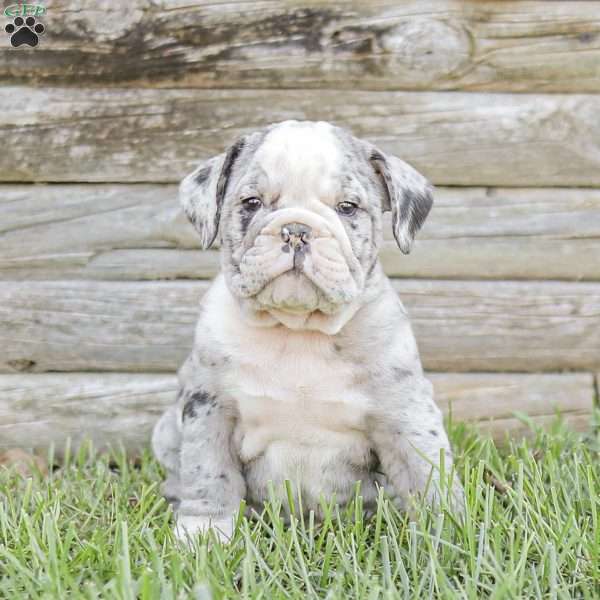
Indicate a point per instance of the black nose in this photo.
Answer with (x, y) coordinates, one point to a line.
(296, 234)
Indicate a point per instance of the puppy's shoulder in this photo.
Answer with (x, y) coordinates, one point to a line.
(219, 317)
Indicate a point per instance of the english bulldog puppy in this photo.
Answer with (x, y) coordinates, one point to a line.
(304, 366)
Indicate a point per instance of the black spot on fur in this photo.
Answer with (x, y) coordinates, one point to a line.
(246, 217)
(174, 501)
(194, 401)
(415, 208)
(433, 432)
(230, 158)
(376, 156)
(202, 175)
(189, 411)
(401, 374)
(372, 268)
(232, 155)
(373, 464)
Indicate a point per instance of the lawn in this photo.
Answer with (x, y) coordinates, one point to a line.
(97, 527)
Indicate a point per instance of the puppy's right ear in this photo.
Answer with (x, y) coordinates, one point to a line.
(201, 193)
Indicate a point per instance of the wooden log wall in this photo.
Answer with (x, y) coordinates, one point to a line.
(496, 102)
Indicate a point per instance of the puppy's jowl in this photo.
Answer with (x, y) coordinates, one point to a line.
(304, 365)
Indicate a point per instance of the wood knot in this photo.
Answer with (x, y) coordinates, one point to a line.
(22, 365)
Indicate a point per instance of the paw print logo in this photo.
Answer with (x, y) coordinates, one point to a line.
(24, 31)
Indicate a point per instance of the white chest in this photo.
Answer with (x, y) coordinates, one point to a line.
(294, 388)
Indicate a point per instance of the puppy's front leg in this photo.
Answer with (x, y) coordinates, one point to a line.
(212, 484)
(408, 434)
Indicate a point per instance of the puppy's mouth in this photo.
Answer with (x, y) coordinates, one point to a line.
(297, 264)
(291, 292)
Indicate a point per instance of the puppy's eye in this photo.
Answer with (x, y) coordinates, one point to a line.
(346, 208)
(251, 204)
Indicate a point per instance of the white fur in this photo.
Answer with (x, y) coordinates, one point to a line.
(290, 389)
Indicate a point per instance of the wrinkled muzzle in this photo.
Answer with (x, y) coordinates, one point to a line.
(298, 261)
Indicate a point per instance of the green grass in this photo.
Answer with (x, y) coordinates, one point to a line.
(98, 529)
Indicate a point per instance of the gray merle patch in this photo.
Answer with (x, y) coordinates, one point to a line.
(194, 401)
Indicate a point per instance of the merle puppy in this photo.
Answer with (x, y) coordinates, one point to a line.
(304, 365)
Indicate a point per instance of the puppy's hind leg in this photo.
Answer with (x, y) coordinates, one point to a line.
(166, 445)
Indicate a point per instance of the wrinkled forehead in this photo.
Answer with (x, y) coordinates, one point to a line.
(301, 157)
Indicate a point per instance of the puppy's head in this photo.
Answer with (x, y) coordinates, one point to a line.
(299, 209)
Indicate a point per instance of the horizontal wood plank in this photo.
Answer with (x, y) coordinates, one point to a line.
(137, 232)
(158, 135)
(380, 44)
(497, 402)
(110, 409)
(121, 408)
(148, 326)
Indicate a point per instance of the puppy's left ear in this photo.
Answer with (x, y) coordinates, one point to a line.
(409, 196)
(201, 193)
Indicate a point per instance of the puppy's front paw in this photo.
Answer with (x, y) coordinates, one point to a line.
(189, 526)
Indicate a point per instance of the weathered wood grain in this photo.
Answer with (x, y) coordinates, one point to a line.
(504, 326)
(494, 401)
(381, 44)
(519, 427)
(109, 409)
(90, 326)
(148, 326)
(138, 232)
(121, 408)
(150, 135)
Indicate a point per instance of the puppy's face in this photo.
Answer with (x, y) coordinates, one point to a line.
(299, 207)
